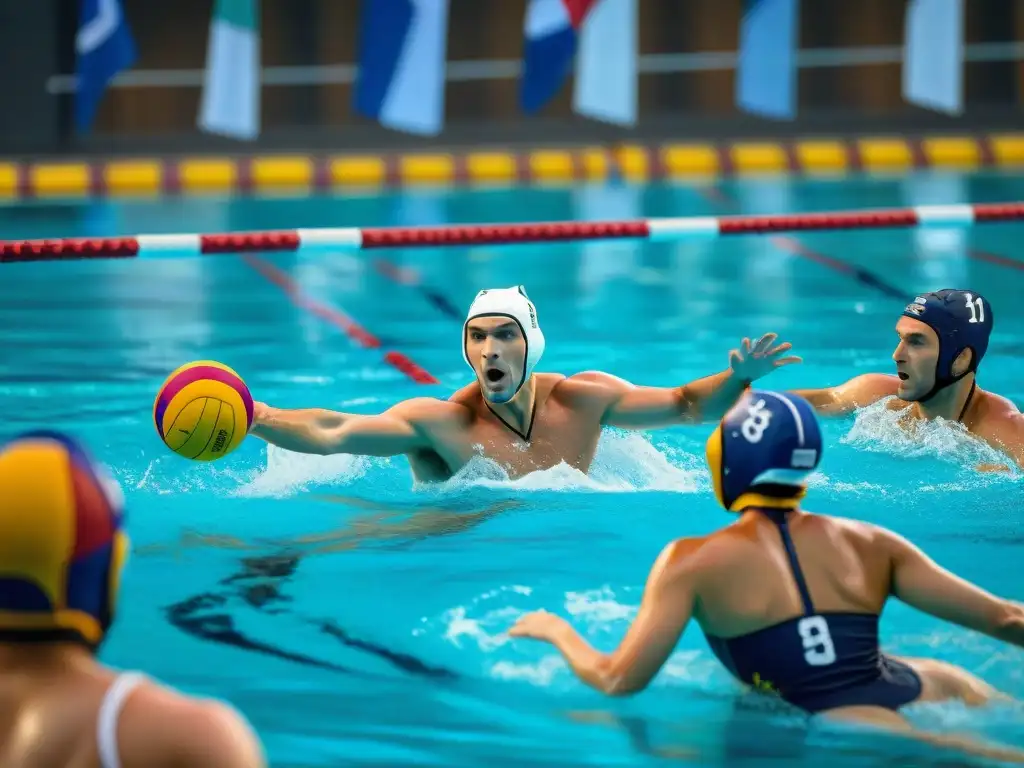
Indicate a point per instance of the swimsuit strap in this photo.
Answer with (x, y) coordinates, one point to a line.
(778, 516)
(110, 712)
(967, 402)
(533, 417)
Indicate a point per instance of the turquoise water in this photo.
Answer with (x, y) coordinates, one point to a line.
(396, 625)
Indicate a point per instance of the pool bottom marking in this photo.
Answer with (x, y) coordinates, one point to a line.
(206, 616)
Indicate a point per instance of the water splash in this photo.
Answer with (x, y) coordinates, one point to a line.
(288, 472)
(171, 475)
(624, 462)
(877, 429)
(602, 614)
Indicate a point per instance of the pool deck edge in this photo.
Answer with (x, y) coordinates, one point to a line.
(296, 173)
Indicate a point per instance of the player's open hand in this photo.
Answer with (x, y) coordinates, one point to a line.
(539, 625)
(752, 361)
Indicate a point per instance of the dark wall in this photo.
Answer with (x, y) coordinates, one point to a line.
(28, 56)
(314, 32)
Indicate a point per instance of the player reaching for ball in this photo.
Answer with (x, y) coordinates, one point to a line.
(525, 421)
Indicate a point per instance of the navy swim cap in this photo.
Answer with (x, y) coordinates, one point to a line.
(962, 320)
(767, 438)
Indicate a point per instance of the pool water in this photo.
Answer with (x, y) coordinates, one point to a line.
(373, 613)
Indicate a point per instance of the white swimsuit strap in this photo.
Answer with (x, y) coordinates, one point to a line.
(110, 712)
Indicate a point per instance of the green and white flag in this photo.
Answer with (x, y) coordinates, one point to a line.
(231, 88)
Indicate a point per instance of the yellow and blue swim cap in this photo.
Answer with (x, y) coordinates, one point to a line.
(766, 439)
(62, 543)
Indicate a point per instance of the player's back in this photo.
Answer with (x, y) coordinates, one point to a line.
(789, 603)
(48, 722)
(69, 712)
(748, 581)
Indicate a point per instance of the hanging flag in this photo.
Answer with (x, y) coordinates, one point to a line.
(766, 75)
(402, 57)
(103, 47)
(231, 85)
(933, 55)
(606, 64)
(551, 32)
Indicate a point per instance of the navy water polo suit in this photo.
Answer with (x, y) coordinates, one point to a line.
(816, 660)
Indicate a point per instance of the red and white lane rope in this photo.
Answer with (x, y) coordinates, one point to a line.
(354, 239)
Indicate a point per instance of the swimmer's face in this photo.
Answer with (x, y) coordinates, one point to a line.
(496, 348)
(916, 356)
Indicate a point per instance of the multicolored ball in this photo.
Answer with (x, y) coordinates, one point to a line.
(203, 411)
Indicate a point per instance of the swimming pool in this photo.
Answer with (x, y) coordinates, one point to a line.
(399, 629)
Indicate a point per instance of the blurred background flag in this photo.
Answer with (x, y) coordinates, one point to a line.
(606, 64)
(766, 76)
(601, 37)
(551, 34)
(401, 77)
(103, 47)
(933, 55)
(231, 86)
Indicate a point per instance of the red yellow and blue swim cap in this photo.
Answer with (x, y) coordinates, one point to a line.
(62, 543)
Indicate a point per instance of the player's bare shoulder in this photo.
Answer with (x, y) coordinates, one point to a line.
(999, 422)
(430, 412)
(590, 388)
(993, 406)
(862, 535)
(868, 388)
(161, 726)
(467, 395)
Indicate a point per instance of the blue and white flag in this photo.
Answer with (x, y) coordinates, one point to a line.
(599, 37)
(607, 63)
(933, 55)
(402, 57)
(766, 76)
(231, 86)
(103, 46)
(551, 34)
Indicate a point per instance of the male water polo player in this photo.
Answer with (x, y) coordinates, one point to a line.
(789, 601)
(62, 551)
(511, 414)
(943, 337)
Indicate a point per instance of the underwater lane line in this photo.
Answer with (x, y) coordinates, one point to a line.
(789, 244)
(994, 258)
(410, 278)
(336, 317)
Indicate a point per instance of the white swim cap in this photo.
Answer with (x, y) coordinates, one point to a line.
(515, 304)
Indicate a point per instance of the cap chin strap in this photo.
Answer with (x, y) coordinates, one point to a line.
(753, 499)
(942, 382)
(967, 402)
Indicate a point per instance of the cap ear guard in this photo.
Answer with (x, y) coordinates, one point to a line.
(118, 560)
(713, 454)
